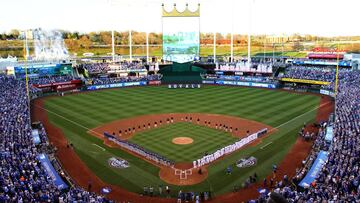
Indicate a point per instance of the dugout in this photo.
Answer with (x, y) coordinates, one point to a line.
(177, 73)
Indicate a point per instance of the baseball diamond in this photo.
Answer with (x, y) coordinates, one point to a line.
(76, 115)
(207, 101)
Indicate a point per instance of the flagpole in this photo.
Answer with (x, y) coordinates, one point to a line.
(337, 71)
(26, 54)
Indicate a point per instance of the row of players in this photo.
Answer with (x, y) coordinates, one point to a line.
(155, 124)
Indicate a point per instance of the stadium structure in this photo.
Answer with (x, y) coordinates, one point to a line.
(181, 129)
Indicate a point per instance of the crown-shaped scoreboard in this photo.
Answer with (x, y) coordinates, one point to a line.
(186, 13)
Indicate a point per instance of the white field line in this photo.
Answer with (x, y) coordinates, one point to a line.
(316, 108)
(266, 145)
(73, 122)
(99, 146)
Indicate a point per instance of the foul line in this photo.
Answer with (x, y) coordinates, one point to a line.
(99, 146)
(73, 122)
(266, 145)
(316, 108)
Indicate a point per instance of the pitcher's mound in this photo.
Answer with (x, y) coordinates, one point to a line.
(182, 140)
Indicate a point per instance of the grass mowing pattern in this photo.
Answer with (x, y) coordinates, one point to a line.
(268, 106)
(159, 140)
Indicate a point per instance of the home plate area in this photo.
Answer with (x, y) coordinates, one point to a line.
(183, 174)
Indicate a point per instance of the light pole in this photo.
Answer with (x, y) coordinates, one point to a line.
(264, 47)
(214, 47)
(249, 33)
(232, 32)
(147, 47)
(130, 46)
(113, 45)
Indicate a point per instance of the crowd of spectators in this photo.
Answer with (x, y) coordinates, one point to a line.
(339, 178)
(310, 73)
(94, 68)
(104, 67)
(243, 66)
(131, 65)
(51, 79)
(22, 177)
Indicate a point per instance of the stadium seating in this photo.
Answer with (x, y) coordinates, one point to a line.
(310, 73)
(50, 79)
(340, 176)
(93, 68)
(22, 177)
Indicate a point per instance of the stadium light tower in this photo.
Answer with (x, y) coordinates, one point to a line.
(214, 47)
(337, 71)
(128, 4)
(147, 46)
(249, 33)
(110, 4)
(264, 46)
(130, 46)
(282, 46)
(113, 45)
(232, 32)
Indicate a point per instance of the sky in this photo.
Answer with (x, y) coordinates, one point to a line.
(270, 17)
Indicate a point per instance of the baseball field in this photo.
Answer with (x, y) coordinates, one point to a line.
(286, 112)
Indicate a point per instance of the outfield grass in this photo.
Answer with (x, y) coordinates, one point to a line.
(205, 139)
(283, 110)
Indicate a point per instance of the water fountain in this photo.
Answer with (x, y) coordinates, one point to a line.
(49, 46)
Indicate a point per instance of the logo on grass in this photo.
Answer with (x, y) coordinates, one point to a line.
(243, 163)
(118, 163)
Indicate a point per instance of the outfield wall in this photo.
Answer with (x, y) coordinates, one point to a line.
(327, 92)
(239, 83)
(123, 84)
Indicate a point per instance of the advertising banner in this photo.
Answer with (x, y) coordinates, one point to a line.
(327, 92)
(208, 82)
(315, 169)
(52, 173)
(124, 84)
(329, 134)
(35, 136)
(248, 84)
(155, 82)
(58, 83)
(60, 86)
(313, 82)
